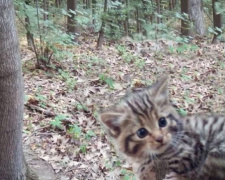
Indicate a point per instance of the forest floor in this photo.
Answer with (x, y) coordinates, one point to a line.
(62, 103)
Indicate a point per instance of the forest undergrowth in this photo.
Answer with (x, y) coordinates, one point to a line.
(62, 102)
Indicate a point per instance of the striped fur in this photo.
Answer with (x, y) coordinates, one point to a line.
(190, 147)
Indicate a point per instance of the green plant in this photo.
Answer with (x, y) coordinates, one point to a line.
(81, 107)
(83, 148)
(70, 81)
(140, 63)
(221, 64)
(57, 122)
(127, 175)
(42, 99)
(107, 80)
(121, 49)
(74, 131)
(220, 90)
(90, 134)
(182, 112)
(128, 57)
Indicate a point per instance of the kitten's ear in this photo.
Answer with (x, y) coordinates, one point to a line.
(112, 120)
(159, 89)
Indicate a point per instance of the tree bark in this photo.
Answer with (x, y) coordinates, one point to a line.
(184, 24)
(71, 24)
(197, 16)
(217, 22)
(11, 96)
(101, 32)
(126, 22)
(158, 2)
(29, 34)
(138, 23)
(94, 2)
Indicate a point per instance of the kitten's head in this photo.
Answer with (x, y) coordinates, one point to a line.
(144, 124)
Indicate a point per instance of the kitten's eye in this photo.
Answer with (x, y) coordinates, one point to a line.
(142, 133)
(162, 122)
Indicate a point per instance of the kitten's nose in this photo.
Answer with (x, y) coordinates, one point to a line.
(159, 139)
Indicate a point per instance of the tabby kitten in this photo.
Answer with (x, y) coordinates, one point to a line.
(148, 131)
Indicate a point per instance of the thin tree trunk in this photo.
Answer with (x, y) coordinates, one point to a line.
(93, 10)
(137, 20)
(84, 4)
(101, 32)
(126, 22)
(11, 95)
(29, 35)
(46, 49)
(88, 4)
(217, 22)
(171, 6)
(197, 16)
(159, 20)
(184, 24)
(71, 24)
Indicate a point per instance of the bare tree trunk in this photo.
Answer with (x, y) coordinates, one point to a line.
(46, 49)
(170, 5)
(185, 30)
(159, 20)
(84, 4)
(217, 22)
(57, 3)
(88, 4)
(11, 95)
(29, 35)
(138, 21)
(101, 32)
(71, 24)
(93, 10)
(126, 22)
(197, 16)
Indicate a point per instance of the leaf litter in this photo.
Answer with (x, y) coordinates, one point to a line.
(62, 104)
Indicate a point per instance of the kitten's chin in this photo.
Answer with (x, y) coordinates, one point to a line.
(161, 148)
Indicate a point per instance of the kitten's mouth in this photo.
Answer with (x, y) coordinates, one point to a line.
(160, 146)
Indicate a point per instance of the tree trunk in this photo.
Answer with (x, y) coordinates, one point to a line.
(217, 22)
(184, 24)
(93, 10)
(84, 4)
(101, 32)
(159, 20)
(88, 4)
(71, 24)
(57, 3)
(171, 5)
(126, 22)
(197, 16)
(11, 95)
(138, 21)
(29, 34)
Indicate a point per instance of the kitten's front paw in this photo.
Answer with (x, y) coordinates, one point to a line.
(147, 173)
(147, 176)
(174, 176)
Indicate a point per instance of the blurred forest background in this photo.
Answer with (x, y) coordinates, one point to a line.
(81, 56)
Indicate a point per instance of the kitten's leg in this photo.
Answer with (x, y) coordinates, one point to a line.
(147, 175)
(145, 171)
(214, 165)
(174, 176)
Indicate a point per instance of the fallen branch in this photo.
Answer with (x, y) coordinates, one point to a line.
(46, 112)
